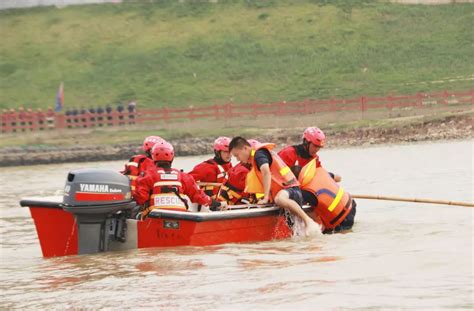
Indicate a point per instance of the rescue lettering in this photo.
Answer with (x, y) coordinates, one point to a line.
(168, 200)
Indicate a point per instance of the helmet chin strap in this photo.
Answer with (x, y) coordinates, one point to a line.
(306, 145)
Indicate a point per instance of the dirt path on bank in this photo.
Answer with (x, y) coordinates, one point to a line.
(391, 131)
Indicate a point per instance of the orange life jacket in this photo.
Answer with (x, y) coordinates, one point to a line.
(282, 177)
(333, 202)
(168, 191)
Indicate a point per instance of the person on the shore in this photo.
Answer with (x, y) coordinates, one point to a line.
(22, 118)
(214, 170)
(5, 120)
(41, 118)
(233, 187)
(29, 117)
(333, 206)
(68, 114)
(298, 156)
(272, 177)
(13, 119)
(120, 109)
(131, 107)
(164, 187)
(140, 163)
(109, 110)
(100, 118)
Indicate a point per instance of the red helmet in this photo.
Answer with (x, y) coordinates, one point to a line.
(314, 135)
(162, 151)
(222, 143)
(253, 143)
(150, 141)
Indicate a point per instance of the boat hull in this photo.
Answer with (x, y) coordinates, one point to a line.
(58, 231)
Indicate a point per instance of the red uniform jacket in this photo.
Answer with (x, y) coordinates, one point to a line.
(233, 187)
(297, 155)
(210, 171)
(138, 164)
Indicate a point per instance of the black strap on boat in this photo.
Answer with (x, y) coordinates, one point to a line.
(175, 191)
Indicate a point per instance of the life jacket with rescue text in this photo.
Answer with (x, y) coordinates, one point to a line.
(333, 202)
(168, 191)
(282, 177)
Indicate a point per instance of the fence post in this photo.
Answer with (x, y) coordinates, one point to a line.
(419, 100)
(5, 117)
(191, 113)
(281, 108)
(33, 119)
(254, 110)
(362, 104)
(216, 111)
(390, 103)
(59, 121)
(166, 114)
(228, 110)
(445, 97)
(305, 106)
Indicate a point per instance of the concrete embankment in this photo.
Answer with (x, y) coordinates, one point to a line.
(451, 127)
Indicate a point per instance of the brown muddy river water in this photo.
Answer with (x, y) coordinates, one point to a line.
(399, 255)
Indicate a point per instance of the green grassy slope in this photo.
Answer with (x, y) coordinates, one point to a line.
(178, 54)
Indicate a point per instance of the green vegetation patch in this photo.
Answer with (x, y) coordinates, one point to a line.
(181, 53)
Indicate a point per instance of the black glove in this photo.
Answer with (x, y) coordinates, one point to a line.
(214, 206)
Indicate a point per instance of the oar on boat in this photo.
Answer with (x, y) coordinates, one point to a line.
(386, 198)
(415, 200)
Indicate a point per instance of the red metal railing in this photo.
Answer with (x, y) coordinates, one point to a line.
(22, 121)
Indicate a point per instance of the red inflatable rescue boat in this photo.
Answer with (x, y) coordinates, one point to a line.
(94, 216)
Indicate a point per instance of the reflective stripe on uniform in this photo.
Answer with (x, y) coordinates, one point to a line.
(309, 172)
(132, 164)
(285, 170)
(222, 171)
(338, 198)
(168, 183)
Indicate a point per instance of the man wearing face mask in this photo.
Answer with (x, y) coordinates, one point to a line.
(298, 156)
(214, 170)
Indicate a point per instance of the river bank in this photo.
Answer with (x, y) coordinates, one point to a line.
(392, 131)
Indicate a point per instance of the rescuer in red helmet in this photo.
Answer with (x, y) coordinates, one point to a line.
(164, 187)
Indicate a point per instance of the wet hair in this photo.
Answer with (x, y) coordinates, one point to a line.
(238, 142)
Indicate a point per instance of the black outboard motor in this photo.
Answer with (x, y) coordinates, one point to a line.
(100, 200)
